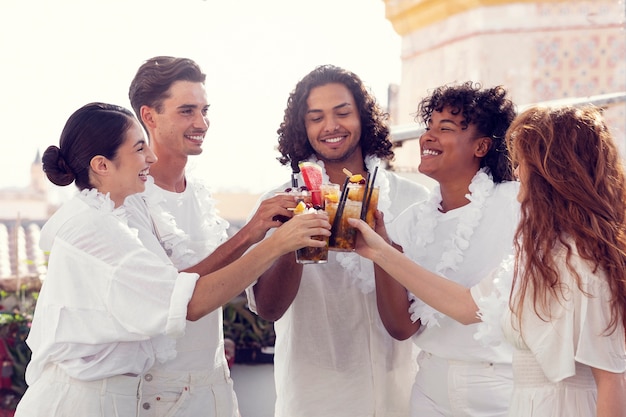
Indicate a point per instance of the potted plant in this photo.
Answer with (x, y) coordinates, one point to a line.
(15, 319)
(253, 337)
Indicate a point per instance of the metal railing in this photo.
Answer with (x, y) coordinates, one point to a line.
(401, 133)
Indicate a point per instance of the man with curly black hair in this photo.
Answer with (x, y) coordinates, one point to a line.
(463, 232)
(333, 356)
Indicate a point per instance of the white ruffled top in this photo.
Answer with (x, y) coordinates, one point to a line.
(93, 317)
(554, 353)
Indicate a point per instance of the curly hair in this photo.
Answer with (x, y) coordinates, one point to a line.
(293, 143)
(576, 197)
(488, 109)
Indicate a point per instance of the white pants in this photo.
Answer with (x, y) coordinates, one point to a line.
(460, 389)
(197, 394)
(56, 394)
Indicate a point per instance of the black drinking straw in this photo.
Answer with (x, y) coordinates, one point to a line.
(364, 198)
(369, 190)
(340, 206)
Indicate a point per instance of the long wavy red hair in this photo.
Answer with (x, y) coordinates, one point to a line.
(573, 197)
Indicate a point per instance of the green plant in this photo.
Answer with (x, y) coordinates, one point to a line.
(245, 328)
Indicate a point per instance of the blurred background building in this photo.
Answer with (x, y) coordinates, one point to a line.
(553, 51)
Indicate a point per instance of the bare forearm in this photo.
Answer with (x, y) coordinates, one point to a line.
(446, 296)
(393, 306)
(226, 253)
(276, 289)
(218, 287)
(611, 388)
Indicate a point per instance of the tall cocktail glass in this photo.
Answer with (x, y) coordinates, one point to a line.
(315, 255)
(343, 238)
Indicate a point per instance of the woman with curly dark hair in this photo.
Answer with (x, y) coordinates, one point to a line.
(560, 301)
(464, 230)
(343, 363)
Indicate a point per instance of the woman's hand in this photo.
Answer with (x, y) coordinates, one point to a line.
(369, 242)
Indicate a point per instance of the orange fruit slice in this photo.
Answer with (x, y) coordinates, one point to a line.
(356, 178)
(312, 176)
(333, 198)
(300, 208)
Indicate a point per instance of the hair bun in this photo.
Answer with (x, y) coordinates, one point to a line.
(55, 167)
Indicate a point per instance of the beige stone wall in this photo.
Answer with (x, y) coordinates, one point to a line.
(539, 51)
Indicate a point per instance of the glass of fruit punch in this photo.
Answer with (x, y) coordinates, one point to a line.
(359, 199)
(314, 194)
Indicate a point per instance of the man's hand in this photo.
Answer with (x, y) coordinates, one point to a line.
(271, 213)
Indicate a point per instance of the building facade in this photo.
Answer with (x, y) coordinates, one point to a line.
(540, 51)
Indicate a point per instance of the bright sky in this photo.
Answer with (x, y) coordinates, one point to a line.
(61, 54)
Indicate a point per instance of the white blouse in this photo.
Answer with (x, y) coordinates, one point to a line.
(108, 306)
(554, 353)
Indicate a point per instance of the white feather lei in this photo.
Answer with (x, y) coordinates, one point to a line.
(428, 216)
(174, 240)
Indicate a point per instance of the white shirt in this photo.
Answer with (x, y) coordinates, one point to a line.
(190, 228)
(465, 245)
(333, 356)
(107, 302)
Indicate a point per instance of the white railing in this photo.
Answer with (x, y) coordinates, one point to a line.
(401, 133)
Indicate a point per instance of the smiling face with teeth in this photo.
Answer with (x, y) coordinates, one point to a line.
(333, 125)
(451, 153)
(178, 125)
(127, 172)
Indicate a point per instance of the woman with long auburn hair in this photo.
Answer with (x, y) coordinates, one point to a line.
(561, 300)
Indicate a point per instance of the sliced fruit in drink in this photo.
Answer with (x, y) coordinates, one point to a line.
(300, 208)
(313, 177)
(356, 178)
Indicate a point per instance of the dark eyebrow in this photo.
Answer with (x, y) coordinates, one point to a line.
(448, 121)
(139, 143)
(187, 106)
(337, 107)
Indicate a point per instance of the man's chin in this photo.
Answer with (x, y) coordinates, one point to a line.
(196, 151)
(336, 158)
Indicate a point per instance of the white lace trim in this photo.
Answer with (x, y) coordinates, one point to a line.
(493, 307)
(99, 201)
(361, 269)
(428, 216)
(175, 241)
